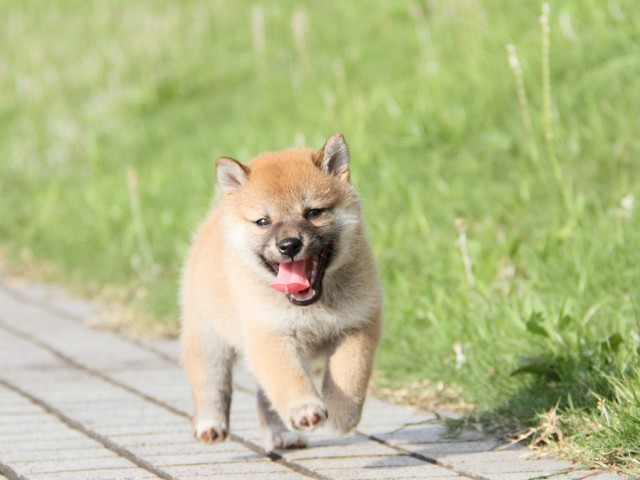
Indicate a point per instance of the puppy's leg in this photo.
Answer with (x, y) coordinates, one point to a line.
(347, 374)
(279, 369)
(208, 360)
(276, 434)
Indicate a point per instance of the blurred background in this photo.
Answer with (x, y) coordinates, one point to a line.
(495, 145)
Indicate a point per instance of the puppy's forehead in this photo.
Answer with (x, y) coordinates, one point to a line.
(290, 179)
(279, 166)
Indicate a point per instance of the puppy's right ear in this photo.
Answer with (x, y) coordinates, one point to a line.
(334, 157)
(231, 174)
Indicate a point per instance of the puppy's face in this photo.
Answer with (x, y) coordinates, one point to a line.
(294, 216)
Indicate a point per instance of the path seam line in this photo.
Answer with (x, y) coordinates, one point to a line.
(10, 473)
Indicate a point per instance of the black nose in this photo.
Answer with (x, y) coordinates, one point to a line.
(290, 246)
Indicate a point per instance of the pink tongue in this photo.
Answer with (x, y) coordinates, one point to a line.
(291, 277)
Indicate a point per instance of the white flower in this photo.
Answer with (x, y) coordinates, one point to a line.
(461, 359)
(626, 205)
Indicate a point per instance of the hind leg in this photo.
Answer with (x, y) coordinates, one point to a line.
(208, 360)
(276, 435)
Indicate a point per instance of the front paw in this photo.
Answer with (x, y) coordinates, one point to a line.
(210, 432)
(307, 416)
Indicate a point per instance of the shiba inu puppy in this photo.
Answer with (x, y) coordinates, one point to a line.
(280, 271)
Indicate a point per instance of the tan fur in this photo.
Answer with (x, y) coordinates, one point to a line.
(228, 308)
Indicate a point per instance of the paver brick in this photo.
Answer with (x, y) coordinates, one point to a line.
(106, 474)
(506, 461)
(71, 464)
(376, 467)
(359, 462)
(551, 475)
(428, 433)
(44, 444)
(228, 448)
(428, 472)
(284, 475)
(341, 447)
(257, 467)
(201, 458)
(441, 449)
(27, 455)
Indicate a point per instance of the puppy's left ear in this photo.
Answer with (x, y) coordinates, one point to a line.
(333, 158)
(231, 174)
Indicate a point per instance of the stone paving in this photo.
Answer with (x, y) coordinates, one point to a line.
(81, 403)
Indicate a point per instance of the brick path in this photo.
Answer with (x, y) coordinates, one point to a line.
(80, 403)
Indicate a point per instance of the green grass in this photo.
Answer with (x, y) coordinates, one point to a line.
(546, 316)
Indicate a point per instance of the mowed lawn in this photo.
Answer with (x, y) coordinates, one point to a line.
(497, 154)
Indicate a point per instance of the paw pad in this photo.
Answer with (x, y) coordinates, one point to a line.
(308, 416)
(210, 435)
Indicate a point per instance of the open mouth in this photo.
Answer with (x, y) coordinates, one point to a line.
(301, 280)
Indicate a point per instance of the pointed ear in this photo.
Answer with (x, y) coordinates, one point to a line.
(231, 174)
(334, 157)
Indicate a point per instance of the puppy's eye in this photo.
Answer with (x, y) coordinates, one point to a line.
(263, 222)
(313, 213)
